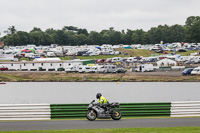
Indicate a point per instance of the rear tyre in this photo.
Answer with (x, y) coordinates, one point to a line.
(116, 115)
(91, 115)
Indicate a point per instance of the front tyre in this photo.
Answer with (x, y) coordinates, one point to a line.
(116, 115)
(91, 115)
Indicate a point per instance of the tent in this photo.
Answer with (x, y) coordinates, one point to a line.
(32, 50)
(26, 50)
(166, 62)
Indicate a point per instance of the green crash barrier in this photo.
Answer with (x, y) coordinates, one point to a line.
(67, 111)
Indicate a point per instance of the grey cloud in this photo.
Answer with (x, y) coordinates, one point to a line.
(95, 14)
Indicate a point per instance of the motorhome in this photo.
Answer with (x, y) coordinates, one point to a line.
(108, 68)
(85, 69)
(144, 68)
(71, 69)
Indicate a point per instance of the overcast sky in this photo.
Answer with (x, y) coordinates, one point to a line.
(95, 15)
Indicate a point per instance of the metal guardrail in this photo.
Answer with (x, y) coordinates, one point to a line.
(25, 112)
(184, 109)
(65, 111)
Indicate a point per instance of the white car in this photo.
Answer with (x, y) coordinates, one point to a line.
(196, 71)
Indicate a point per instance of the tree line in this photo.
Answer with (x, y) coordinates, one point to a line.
(72, 36)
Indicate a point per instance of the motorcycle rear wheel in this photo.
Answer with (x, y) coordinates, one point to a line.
(116, 115)
(91, 115)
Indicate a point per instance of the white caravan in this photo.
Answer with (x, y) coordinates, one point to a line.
(144, 68)
(108, 68)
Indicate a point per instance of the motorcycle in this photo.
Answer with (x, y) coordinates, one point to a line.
(96, 110)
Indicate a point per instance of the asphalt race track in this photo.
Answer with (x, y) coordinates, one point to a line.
(85, 124)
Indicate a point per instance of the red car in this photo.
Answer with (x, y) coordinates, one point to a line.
(3, 68)
(108, 60)
(100, 60)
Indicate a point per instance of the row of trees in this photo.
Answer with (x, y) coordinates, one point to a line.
(70, 35)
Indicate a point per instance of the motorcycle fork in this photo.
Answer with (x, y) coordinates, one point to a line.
(92, 112)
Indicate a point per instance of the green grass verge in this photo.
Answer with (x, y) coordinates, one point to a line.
(5, 77)
(120, 130)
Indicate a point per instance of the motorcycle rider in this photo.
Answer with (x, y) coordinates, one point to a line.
(102, 101)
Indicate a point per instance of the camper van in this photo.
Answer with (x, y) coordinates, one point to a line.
(144, 68)
(117, 59)
(71, 69)
(51, 54)
(32, 55)
(131, 59)
(108, 68)
(196, 71)
(85, 69)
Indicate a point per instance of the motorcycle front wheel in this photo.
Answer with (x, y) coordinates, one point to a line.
(116, 115)
(91, 115)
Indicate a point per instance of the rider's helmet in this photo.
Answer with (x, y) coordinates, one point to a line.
(98, 95)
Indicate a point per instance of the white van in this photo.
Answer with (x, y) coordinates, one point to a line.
(109, 68)
(85, 69)
(131, 59)
(70, 69)
(144, 68)
(116, 59)
(51, 54)
(196, 71)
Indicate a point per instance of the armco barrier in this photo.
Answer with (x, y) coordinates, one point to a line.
(184, 109)
(64, 111)
(25, 111)
(145, 109)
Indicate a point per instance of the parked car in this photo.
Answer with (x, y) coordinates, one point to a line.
(187, 71)
(197, 61)
(108, 60)
(117, 59)
(86, 54)
(189, 62)
(165, 52)
(131, 59)
(120, 70)
(182, 50)
(3, 68)
(100, 60)
(196, 71)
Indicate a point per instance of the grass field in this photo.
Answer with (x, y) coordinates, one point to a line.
(120, 130)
